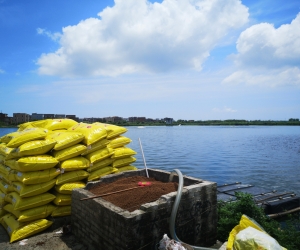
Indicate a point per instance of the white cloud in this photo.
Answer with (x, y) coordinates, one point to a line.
(224, 110)
(272, 77)
(2, 71)
(54, 36)
(139, 36)
(268, 56)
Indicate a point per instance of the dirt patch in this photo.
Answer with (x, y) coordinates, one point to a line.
(47, 240)
(132, 196)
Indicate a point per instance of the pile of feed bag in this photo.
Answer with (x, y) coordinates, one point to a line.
(43, 161)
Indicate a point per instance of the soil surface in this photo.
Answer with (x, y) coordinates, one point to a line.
(127, 194)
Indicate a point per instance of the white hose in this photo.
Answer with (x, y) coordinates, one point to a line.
(174, 211)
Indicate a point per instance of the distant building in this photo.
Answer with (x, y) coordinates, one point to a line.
(2, 117)
(132, 119)
(48, 116)
(141, 119)
(57, 116)
(19, 118)
(91, 120)
(36, 117)
(113, 119)
(150, 120)
(73, 117)
(168, 121)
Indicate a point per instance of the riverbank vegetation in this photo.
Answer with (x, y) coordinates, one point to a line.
(286, 232)
(232, 122)
(180, 122)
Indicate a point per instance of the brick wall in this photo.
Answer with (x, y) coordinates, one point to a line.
(102, 225)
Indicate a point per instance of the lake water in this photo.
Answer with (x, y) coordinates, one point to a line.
(265, 156)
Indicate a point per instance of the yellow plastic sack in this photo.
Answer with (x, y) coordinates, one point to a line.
(36, 147)
(33, 124)
(36, 213)
(123, 162)
(5, 151)
(72, 176)
(69, 152)
(112, 130)
(126, 168)
(56, 124)
(31, 190)
(244, 223)
(95, 175)
(96, 146)
(37, 177)
(19, 230)
(2, 212)
(251, 238)
(65, 139)
(4, 178)
(2, 158)
(68, 187)
(122, 152)
(75, 163)
(62, 199)
(119, 141)
(61, 211)
(26, 136)
(34, 163)
(5, 170)
(10, 209)
(12, 176)
(100, 164)
(3, 202)
(100, 155)
(11, 153)
(28, 202)
(92, 132)
(5, 187)
(6, 138)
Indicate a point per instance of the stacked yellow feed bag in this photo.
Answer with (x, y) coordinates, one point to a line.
(72, 166)
(26, 197)
(102, 157)
(95, 142)
(50, 124)
(73, 175)
(123, 156)
(42, 162)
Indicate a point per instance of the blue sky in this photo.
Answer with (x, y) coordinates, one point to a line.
(185, 59)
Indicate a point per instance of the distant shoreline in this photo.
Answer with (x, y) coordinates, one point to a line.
(294, 122)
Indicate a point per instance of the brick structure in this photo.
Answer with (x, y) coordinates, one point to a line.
(101, 225)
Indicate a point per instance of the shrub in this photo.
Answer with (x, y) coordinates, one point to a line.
(229, 215)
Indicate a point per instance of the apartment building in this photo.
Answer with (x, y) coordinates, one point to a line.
(20, 118)
(37, 117)
(113, 119)
(49, 116)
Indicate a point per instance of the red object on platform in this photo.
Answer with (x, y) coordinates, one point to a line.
(144, 183)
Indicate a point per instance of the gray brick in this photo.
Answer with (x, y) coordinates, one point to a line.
(101, 225)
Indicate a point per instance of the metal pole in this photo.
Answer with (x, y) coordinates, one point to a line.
(144, 158)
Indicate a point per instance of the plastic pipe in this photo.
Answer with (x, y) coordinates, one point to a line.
(175, 209)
